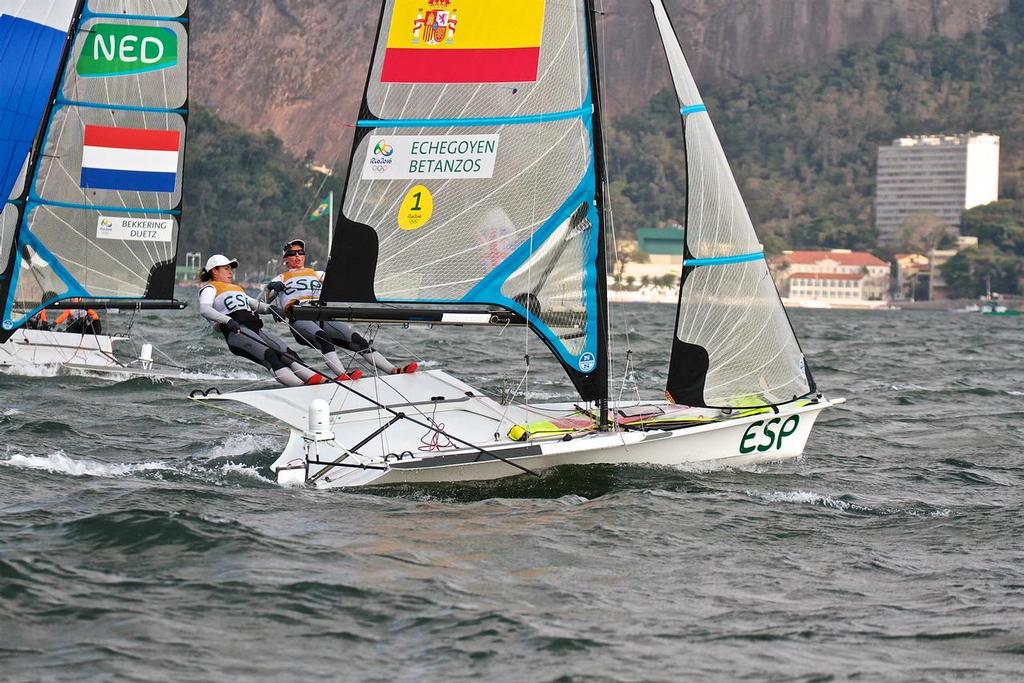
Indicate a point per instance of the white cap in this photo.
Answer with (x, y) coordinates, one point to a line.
(218, 260)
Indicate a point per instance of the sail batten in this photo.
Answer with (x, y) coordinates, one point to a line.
(458, 122)
(102, 198)
(733, 344)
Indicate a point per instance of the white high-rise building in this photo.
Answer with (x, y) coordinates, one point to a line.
(941, 174)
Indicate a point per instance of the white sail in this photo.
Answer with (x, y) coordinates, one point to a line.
(102, 204)
(734, 345)
(474, 173)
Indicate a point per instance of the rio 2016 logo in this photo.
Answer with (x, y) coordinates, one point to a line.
(381, 159)
(763, 436)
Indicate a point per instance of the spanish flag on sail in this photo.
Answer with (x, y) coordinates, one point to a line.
(464, 41)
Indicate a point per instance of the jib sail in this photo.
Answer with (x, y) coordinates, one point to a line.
(734, 345)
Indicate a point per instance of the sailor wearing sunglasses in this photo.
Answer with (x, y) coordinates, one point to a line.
(299, 284)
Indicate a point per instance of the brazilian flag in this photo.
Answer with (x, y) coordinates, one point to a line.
(320, 211)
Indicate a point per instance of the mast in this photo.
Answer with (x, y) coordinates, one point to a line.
(602, 179)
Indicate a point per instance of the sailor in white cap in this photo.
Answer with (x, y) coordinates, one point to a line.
(236, 314)
(298, 284)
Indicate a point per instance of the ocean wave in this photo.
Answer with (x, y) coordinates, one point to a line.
(821, 500)
(242, 444)
(210, 472)
(140, 530)
(61, 463)
(32, 371)
(246, 471)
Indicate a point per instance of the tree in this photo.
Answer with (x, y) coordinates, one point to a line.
(922, 232)
(969, 273)
(1000, 224)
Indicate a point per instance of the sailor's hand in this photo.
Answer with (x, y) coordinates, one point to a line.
(233, 326)
(275, 286)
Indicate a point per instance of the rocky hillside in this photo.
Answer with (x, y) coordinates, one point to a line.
(297, 67)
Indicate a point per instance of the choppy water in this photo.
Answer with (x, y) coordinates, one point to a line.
(142, 537)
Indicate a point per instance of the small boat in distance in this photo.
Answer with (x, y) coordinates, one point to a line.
(996, 308)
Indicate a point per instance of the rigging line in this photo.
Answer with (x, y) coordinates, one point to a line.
(610, 215)
(414, 421)
(353, 357)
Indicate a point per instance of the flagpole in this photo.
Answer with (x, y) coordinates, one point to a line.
(330, 228)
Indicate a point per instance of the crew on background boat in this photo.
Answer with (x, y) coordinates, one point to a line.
(300, 283)
(236, 314)
(79, 321)
(39, 322)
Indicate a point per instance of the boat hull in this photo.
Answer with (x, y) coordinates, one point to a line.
(46, 352)
(405, 453)
(711, 446)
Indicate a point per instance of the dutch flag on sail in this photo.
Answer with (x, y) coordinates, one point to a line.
(130, 159)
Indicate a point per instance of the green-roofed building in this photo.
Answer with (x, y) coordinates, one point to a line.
(661, 241)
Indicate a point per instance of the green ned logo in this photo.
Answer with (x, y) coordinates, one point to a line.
(122, 50)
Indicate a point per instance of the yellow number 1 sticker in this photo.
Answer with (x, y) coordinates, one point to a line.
(417, 208)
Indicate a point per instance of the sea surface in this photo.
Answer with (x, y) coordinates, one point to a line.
(143, 538)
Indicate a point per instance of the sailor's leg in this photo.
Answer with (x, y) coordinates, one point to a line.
(288, 357)
(343, 335)
(249, 344)
(288, 377)
(309, 333)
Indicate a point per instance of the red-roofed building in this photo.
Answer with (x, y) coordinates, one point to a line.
(837, 276)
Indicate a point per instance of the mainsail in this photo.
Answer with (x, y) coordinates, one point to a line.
(474, 172)
(734, 345)
(102, 99)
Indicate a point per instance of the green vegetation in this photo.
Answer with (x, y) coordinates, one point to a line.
(998, 260)
(803, 146)
(245, 194)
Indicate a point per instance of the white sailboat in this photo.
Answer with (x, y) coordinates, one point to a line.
(91, 167)
(477, 196)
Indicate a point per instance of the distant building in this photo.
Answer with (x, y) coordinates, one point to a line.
(941, 174)
(911, 277)
(321, 169)
(838, 276)
(660, 256)
(937, 288)
(663, 245)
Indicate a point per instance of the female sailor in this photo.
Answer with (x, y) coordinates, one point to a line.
(300, 283)
(234, 313)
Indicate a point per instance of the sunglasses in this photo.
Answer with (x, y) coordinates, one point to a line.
(295, 252)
